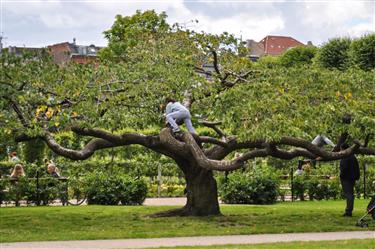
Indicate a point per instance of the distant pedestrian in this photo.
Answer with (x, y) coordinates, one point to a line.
(13, 157)
(53, 170)
(17, 172)
(349, 173)
(299, 170)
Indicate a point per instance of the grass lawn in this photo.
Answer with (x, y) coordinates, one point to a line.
(340, 244)
(114, 222)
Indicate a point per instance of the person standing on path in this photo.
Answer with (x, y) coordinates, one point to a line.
(176, 112)
(349, 173)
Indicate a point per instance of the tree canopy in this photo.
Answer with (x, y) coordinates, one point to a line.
(147, 60)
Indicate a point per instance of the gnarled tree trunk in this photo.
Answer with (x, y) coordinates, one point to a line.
(201, 191)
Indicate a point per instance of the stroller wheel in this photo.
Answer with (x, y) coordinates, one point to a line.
(361, 223)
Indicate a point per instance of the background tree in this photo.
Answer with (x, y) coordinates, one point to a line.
(334, 53)
(301, 55)
(261, 111)
(362, 52)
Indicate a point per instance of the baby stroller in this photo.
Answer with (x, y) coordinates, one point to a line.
(370, 210)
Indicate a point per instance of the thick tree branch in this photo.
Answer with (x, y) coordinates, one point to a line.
(304, 149)
(205, 162)
(216, 63)
(220, 152)
(165, 143)
(211, 140)
(213, 125)
(124, 139)
(18, 112)
(189, 149)
(366, 151)
(86, 152)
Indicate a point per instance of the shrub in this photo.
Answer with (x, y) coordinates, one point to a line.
(25, 188)
(166, 190)
(105, 189)
(132, 191)
(318, 190)
(299, 187)
(244, 188)
(334, 54)
(334, 189)
(300, 55)
(268, 61)
(362, 52)
(102, 189)
(4, 184)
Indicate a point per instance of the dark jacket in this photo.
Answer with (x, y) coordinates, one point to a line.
(349, 168)
(55, 175)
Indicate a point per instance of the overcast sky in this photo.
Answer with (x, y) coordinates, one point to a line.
(38, 23)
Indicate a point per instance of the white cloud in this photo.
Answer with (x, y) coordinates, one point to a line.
(46, 22)
(338, 18)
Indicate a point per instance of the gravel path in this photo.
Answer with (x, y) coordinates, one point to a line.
(191, 241)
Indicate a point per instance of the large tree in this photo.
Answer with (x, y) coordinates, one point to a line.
(253, 110)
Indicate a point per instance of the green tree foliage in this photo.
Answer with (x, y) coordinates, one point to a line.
(297, 102)
(125, 95)
(33, 151)
(139, 31)
(362, 52)
(301, 55)
(334, 54)
(269, 61)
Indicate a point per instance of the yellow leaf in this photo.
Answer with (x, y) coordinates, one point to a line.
(57, 124)
(338, 93)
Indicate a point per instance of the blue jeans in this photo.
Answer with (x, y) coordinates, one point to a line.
(180, 115)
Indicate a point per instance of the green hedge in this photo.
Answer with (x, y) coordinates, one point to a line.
(245, 188)
(316, 188)
(49, 189)
(105, 189)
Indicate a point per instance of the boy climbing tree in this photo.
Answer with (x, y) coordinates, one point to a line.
(175, 113)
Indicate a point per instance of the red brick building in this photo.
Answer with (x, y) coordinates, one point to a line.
(271, 45)
(62, 52)
(66, 52)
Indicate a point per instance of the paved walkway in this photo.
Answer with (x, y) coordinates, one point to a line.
(190, 241)
(165, 201)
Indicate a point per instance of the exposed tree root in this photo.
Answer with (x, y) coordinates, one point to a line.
(179, 212)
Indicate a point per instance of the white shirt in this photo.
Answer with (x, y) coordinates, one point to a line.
(174, 107)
